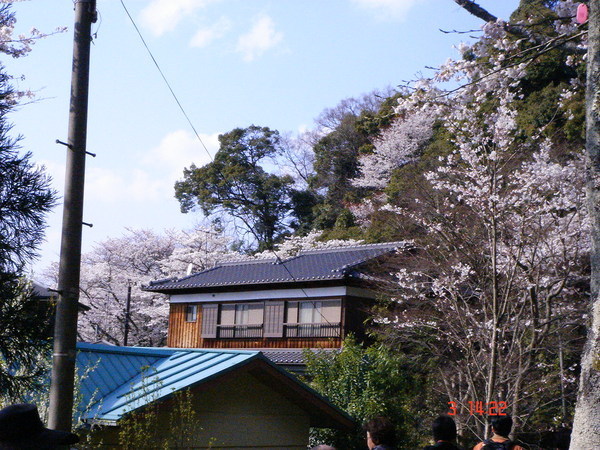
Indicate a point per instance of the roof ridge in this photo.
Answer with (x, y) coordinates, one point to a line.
(175, 279)
(121, 350)
(239, 262)
(391, 245)
(359, 262)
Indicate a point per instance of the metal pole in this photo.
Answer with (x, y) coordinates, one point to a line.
(65, 329)
(127, 313)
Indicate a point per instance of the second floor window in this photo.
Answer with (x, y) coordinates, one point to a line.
(191, 313)
(241, 314)
(310, 312)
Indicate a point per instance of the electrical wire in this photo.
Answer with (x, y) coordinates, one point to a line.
(165, 80)
(250, 228)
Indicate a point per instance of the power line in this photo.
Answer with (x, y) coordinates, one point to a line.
(254, 233)
(165, 80)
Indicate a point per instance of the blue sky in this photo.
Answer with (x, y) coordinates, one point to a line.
(232, 63)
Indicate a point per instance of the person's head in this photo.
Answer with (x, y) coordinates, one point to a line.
(21, 428)
(444, 429)
(323, 447)
(380, 431)
(501, 425)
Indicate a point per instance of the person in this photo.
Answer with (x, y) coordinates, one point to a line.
(22, 429)
(323, 447)
(444, 434)
(381, 434)
(501, 426)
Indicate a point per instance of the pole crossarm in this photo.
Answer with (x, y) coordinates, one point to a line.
(65, 329)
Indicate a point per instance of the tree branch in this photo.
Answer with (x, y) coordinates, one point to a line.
(516, 30)
(476, 10)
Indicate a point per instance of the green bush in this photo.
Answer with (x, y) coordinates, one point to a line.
(366, 382)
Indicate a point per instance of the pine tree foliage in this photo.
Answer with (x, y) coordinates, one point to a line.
(237, 184)
(25, 199)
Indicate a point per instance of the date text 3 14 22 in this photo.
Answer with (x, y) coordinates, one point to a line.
(480, 408)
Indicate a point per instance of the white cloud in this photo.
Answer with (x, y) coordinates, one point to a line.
(261, 37)
(205, 36)
(161, 16)
(387, 9)
(104, 185)
(151, 180)
(179, 149)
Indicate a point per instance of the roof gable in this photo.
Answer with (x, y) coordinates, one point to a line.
(336, 263)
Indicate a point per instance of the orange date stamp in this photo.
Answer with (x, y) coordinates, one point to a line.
(479, 408)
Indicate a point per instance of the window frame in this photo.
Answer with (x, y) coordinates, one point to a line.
(191, 309)
(315, 310)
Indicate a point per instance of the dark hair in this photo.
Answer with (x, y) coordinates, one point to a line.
(502, 425)
(381, 431)
(444, 428)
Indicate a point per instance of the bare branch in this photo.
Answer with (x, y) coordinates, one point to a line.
(476, 10)
(516, 30)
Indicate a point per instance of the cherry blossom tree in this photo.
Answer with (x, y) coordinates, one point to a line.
(292, 245)
(499, 270)
(131, 261)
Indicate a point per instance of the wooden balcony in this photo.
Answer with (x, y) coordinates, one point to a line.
(317, 330)
(290, 330)
(239, 331)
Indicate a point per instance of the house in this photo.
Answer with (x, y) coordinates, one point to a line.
(311, 300)
(240, 399)
(45, 304)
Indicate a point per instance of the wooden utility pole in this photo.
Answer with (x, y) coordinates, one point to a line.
(65, 329)
(127, 313)
(586, 426)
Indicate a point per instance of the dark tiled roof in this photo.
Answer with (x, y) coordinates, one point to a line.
(289, 356)
(42, 292)
(314, 265)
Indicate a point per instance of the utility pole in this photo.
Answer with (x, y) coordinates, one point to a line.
(127, 313)
(65, 329)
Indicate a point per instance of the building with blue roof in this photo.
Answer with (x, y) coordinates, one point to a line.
(240, 398)
(312, 300)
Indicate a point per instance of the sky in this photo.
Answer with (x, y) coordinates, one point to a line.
(231, 63)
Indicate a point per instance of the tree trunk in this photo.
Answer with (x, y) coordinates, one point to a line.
(586, 427)
(493, 364)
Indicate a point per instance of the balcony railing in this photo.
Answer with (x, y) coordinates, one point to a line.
(321, 330)
(240, 331)
(291, 330)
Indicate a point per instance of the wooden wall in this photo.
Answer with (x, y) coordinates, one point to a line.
(234, 413)
(183, 334)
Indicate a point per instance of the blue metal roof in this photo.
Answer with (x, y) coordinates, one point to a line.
(316, 265)
(121, 379)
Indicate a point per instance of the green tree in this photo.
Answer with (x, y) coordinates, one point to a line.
(367, 382)
(236, 183)
(344, 134)
(25, 198)
(24, 341)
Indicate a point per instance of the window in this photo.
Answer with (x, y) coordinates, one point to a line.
(191, 313)
(241, 314)
(310, 312)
